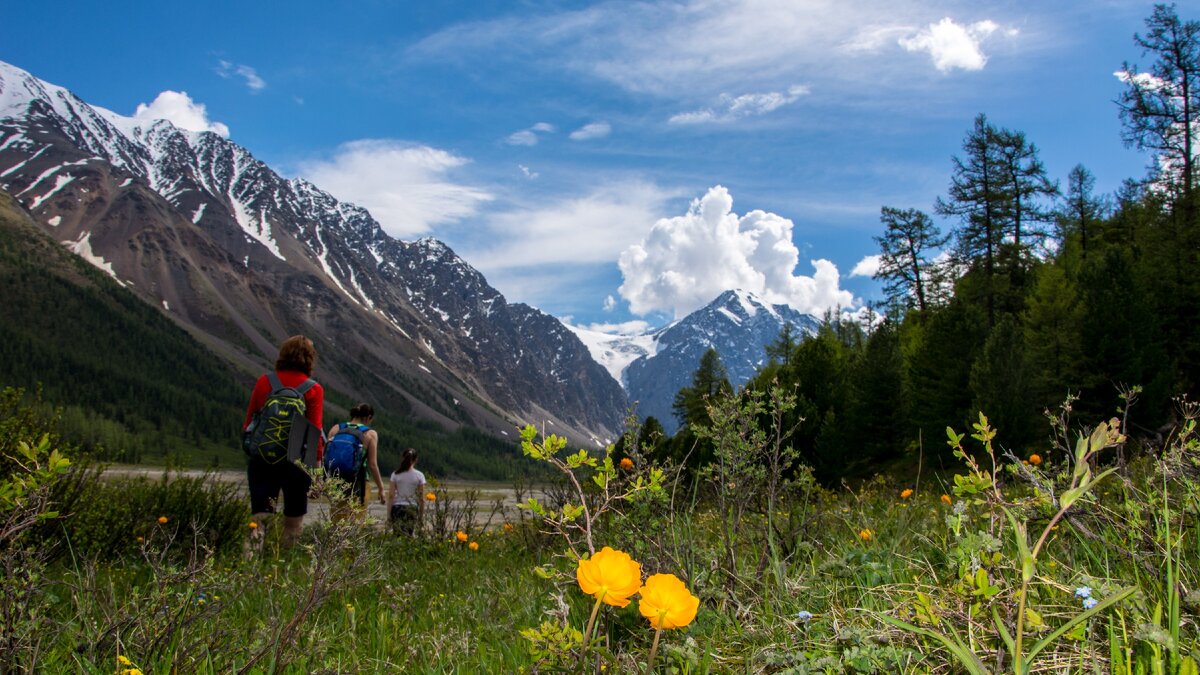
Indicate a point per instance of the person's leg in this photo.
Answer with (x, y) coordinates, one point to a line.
(264, 491)
(296, 484)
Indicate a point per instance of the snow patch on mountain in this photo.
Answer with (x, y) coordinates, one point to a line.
(616, 352)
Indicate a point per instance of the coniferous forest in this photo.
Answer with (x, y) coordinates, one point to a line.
(1017, 294)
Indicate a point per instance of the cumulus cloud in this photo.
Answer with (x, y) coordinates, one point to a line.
(951, 45)
(739, 107)
(529, 136)
(179, 109)
(686, 261)
(867, 267)
(590, 131)
(406, 187)
(253, 82)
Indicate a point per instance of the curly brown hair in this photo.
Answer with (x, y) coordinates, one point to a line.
(297, 353)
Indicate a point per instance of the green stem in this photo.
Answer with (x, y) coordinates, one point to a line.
(587, 635)
(654, 647)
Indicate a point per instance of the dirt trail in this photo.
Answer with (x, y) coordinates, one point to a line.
(486, 492)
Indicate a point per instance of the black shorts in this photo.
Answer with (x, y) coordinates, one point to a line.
(405, 518)
(266, 481)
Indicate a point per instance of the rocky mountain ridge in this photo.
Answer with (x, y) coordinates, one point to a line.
(243, 257)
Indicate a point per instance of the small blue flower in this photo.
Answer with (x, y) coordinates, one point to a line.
(803, 616)
(1083, 592)
(1089, 603)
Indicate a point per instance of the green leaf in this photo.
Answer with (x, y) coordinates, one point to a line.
(1027, 562)
(1078, 618)
(955, 646)
(1004, 634)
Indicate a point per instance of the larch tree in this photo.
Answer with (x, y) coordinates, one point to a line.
(905, 268)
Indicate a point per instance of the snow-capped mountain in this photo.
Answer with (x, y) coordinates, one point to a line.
(197, 226)
(738, 324)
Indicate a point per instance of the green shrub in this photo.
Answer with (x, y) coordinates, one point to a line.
(112, 518)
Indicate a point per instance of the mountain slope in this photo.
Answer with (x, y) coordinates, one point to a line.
(738, 324)
(197, 226)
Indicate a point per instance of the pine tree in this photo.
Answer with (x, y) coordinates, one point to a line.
(1081, 211)
(710, 379)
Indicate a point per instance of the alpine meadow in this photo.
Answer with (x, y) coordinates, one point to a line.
(259, 414)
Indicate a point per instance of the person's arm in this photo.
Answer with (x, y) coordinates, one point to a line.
(333, 430)
(371, 441)
(314, 403)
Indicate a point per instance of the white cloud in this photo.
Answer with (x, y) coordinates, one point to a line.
(951, 45)
(588, 229)
(530, 136)
(695, 49)
(523, 137)
(590, 131)
(686, 261)
(634, 327)
(253, 82)
(739, 107)
(406, 187)
(867, 267)
(179, 109)
(527, 172)
(610, 303)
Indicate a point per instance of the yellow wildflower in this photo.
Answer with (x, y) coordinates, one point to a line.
(162, 520)
(253, 525)
(610, 576)
(430, 497)
(1035, 459)
(461, 536)
(474, 546)
(121, 659)
(627, 464)
(866, 534)
(666, 602)
(906, 493)
(946, 499)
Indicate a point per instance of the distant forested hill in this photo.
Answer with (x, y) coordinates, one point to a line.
(128, 378)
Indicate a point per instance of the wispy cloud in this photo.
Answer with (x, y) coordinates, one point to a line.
(408, 188)
(695, 49)
(179, 109)
(593, 130)
(585, 229)
(733, 108)
(530, 136)
(250, 77)
(527, 172)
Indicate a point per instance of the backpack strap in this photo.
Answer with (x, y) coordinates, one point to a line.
(305, 386)
(273, 379)
(351, 429)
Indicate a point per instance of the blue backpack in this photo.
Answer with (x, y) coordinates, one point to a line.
(344, 455)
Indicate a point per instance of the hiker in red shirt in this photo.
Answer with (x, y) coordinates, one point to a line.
(293, 368)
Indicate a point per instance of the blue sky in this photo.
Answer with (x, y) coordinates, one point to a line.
(617, 162)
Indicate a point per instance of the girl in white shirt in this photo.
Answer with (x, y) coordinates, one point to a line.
(406, 495)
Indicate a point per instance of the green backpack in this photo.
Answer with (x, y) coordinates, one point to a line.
(279, 430)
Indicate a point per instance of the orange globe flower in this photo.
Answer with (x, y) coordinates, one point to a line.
(474, 546)
(667, 603)
(253, 525)
(508, 527)
(946, 499)
(461, 536)
(162, 520)
(610, 576)
(430, 497)
(866, 534)
(627, 464)
(1035, 459)
(906, 493)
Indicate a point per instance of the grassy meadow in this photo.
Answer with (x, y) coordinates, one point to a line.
(1079, 561)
